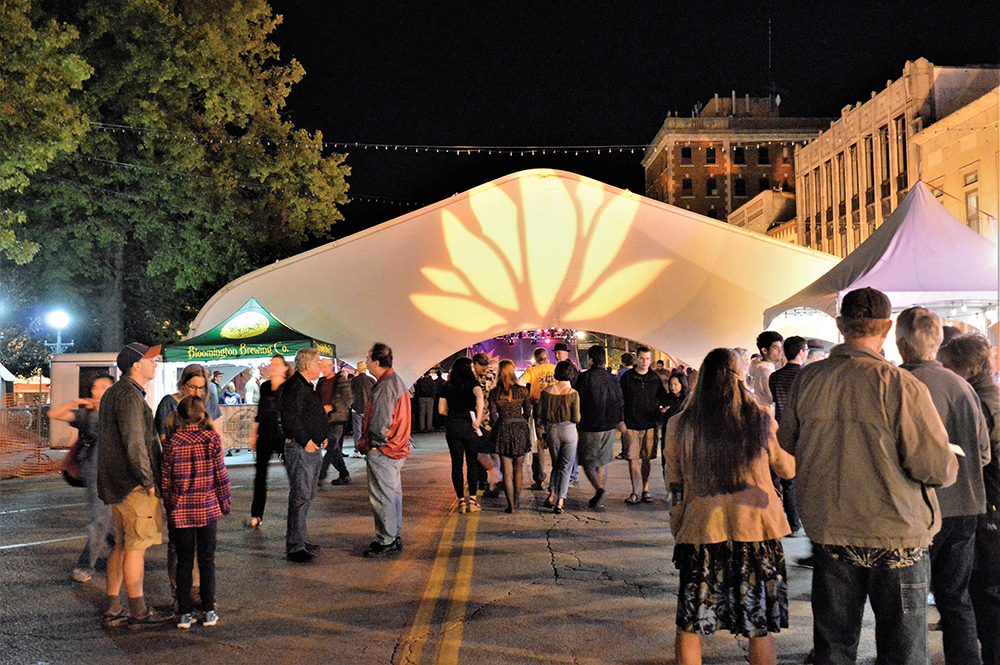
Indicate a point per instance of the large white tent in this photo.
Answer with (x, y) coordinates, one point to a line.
(535, 249)
(921, 255)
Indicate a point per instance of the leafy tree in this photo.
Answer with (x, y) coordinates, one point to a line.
(38, 119)
(190, 176)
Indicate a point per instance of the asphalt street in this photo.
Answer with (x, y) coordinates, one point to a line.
(533, 587)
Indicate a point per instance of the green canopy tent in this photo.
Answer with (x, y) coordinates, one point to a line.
(251, 332)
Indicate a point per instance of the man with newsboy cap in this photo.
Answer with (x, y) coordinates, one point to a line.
(869, 448)
(128, 479)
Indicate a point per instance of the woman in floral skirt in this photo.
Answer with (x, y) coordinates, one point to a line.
(727, 518)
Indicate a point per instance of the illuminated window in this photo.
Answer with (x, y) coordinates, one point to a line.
(739, 156)
(686, 188)
(712, 187)
(763, 155)
(739, 187)
(686, 155)
(710, 155)
(972, 209)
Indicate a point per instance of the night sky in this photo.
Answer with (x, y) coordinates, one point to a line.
(582, 73)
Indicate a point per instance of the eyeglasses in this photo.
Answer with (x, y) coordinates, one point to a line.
(190, 386)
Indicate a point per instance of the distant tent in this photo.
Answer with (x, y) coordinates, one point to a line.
(5, 375)
(921, 255)
(250, 332)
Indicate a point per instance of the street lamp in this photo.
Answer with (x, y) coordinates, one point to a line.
(58, 319)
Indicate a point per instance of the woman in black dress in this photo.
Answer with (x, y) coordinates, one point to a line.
(267, 437)
(462, 403)
(510, 410)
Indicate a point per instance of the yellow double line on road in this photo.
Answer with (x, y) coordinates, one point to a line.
(453, 625)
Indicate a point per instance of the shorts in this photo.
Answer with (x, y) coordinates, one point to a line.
(639, 444)
(139, 520)
(596, 449)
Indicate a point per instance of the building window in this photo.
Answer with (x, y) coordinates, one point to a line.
(712, 187)
(900, 126)
(806, 195)
(869, 171)
(686, 187)
(883, 140)
(739, 187)
(710, 155)
(686, 155)
(763, 155)
(739, 156)
(763, 185)
(972, 209)
(841, 179)
(854, 174)
(712, 212)
(828, 168)
(971, 178)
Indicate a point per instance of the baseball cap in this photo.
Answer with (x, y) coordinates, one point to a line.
(866, 303)
(133, 353)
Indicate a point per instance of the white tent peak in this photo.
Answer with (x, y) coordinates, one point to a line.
(921, 254)
(534, 249)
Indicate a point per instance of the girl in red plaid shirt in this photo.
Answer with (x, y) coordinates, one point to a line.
(196, 494)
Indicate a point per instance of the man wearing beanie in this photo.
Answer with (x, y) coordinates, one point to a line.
(128, 479)
(869, 447)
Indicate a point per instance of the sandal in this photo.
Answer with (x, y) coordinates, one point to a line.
(472, 505)
(462, 506)
(647, 497)
(633, 499)
(558, 510)
(548, 502)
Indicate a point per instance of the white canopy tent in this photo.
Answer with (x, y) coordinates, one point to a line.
(921, 255)
(535, 249)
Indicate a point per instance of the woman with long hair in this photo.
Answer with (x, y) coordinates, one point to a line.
(727, 518)
(267, 438)
(558, 414)
(462, 402)
(510, 410)
(193, 382)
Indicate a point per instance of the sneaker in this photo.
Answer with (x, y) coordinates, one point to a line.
(152, 618)
(343, 480)
(377, 549)
(184, 620)
(300, 556)
(312, 549)
(211, 618)
(81, 575)
(114, 620)
(597, 500)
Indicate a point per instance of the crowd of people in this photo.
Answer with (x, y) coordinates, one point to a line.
(893, 473)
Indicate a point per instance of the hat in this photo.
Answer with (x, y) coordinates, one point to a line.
(561, 346)
(133, 353)
(866, 303)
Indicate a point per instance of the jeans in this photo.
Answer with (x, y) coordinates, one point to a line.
(562, 441)
(952, 554)
(898, 598)
(357, 422)
(425, 414)
(463, 444)
(385, 492)
(100, 525)
(985, 591)
(201, 539)
(266, 447)
(303, 476)
(790, 501)
(334, 452)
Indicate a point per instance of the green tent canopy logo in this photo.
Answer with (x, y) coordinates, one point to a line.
(247, 324)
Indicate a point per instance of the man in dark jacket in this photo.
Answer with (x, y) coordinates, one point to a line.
(306, 426)
(600, 417)
(645, 401)
(334, 390)
(128, 479)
